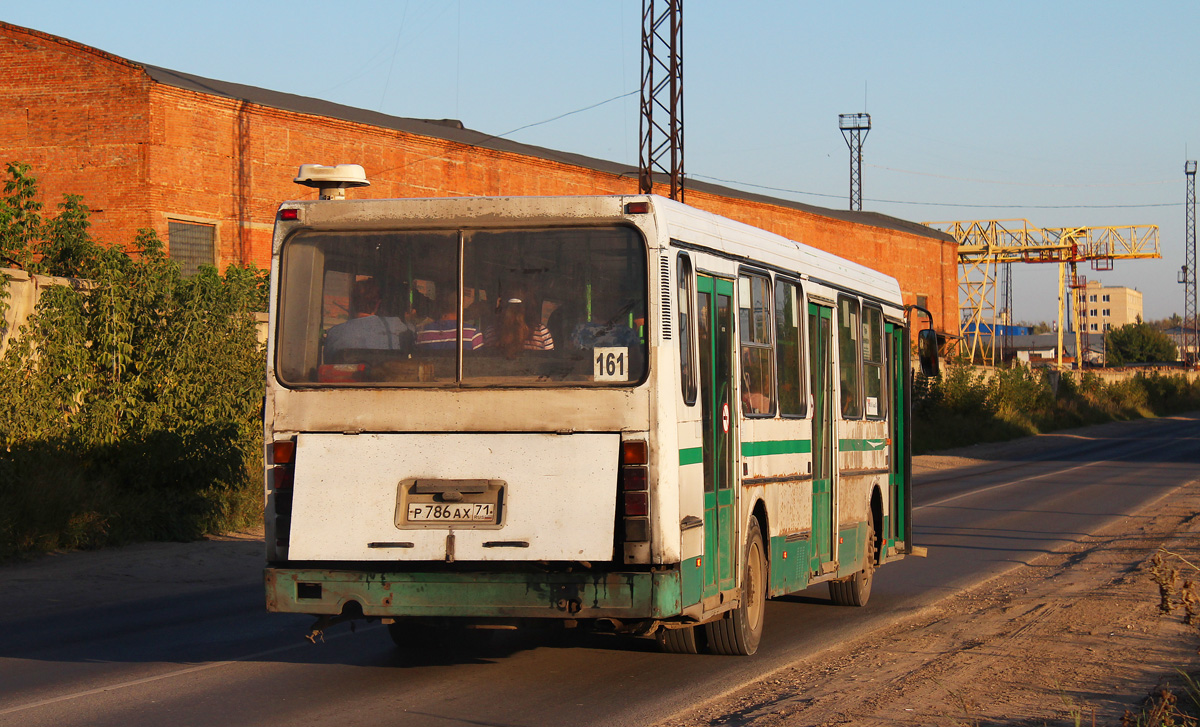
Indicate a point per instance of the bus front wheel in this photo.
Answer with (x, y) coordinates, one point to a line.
(739, 631)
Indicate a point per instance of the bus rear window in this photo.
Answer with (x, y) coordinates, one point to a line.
(537, 307)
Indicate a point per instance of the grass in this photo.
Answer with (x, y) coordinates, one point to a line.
(966, 406)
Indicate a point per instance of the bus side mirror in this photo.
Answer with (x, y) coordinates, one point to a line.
(927, 351)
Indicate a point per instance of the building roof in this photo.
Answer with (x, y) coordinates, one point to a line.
(1042, 341)
(454, 131)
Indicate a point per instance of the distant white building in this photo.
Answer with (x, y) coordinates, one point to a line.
(1110, 307)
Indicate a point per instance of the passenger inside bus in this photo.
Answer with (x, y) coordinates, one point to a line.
(375, 325)
(519, 326)
(442, 334)
(755, 398)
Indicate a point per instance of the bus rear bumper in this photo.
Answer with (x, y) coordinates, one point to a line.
(584, 595)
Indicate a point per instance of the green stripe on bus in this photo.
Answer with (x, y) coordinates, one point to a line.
(861, 445)
(781, 446)
(691, 455)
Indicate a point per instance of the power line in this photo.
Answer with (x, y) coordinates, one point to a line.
(561, 116)
(493, 137)
(943, 204)
(1024, 184)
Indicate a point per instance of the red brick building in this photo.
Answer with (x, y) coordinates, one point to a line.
(205, 164)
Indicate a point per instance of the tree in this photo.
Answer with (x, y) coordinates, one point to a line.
(1138, 343)
(129, 406)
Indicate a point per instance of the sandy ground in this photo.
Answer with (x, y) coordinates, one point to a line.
(1077, 633)
(1074, 638)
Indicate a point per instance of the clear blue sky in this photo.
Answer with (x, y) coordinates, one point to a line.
(1065, 113)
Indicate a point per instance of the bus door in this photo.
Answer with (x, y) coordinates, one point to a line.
(820, 338)
(715, 318)
(897, 433)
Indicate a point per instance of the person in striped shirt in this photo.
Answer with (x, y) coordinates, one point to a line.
(520, 327)
(442, 334)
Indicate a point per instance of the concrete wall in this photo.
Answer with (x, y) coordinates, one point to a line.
(24, 290)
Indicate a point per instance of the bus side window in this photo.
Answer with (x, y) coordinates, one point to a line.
(754, 319)
(849, 358)
(872, 349)
(687, 357)
(789, 348)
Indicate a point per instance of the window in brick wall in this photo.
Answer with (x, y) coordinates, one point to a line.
(923, 301)
(191, 244)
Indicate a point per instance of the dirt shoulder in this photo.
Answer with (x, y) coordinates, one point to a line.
(1076, 636)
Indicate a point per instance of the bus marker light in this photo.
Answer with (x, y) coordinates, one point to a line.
(283, 451)
(634, 452)
(697, 562)
(289, 215)
(637, 208)
(785, 555)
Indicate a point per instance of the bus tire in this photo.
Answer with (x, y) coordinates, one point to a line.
(739, 631)
(856, 590)
(687, 640)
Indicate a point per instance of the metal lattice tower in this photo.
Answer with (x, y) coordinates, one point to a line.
(855, 128)
(1190, 350)
(1006, 303)
(661, 126)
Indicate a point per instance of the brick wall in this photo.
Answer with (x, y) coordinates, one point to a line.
(79, 116)
(143, 153)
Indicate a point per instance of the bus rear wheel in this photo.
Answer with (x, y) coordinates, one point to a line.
(687, 640)
(740, 630)
(856, 590)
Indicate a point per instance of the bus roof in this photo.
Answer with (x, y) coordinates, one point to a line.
(738, 240)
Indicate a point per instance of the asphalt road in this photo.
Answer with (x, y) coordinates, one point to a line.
(214, 657)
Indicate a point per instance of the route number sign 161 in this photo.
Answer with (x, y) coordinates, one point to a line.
(610, 363)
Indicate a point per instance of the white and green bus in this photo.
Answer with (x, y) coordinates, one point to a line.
(615, 412)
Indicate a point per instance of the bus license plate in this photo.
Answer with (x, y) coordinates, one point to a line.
(476, 512)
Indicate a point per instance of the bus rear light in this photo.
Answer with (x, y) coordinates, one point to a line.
(634, 452)
(283, 451)
(283, 502)
(282, 478)
(633, 478)
(637, 530)
(637, 503)
(283, 528)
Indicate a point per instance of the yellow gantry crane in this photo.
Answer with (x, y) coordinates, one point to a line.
(983, 245)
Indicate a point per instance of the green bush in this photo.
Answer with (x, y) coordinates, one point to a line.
(129, 406)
